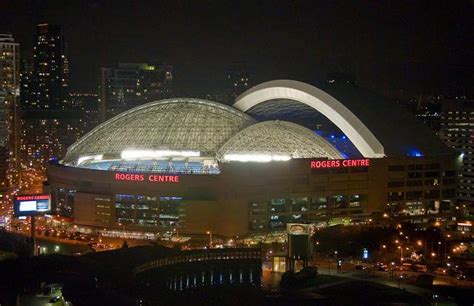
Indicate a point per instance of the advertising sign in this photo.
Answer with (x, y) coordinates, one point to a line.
(28, 205)
(152, 178)
(298, 229)
(340, 163)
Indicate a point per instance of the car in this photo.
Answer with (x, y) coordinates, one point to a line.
(441, 271)
(442, 300)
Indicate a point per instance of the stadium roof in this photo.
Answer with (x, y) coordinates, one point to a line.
(180, 128)
(191, 130)
(173, 124)
(278, 139)
(376, 126)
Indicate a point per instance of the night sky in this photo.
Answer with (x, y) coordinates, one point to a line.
(414, 46)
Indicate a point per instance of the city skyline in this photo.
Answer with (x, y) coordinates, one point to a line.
(409, 47)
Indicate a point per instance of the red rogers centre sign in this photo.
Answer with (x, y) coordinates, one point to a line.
(153, 178)
(33, 197)
(340, 163)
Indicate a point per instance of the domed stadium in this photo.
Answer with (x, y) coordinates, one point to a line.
(191, 136)
(201, 166)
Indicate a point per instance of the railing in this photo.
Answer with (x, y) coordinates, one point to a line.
(201, 255)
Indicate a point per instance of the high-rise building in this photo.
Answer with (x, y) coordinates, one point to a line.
(86, 106)
(132, 84)
(238, 80)
(9, 64)
(4, 143)
(457, 130)
(48, 83)
(47, 125)
(26, 75)
(46, 136)
(9, 93)
(427, 108)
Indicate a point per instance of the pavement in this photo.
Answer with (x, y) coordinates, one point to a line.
(365, 276)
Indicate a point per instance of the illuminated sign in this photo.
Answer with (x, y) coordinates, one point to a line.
(365, 254)
(27, 205)
(340, 163)
(153, 178)
(299, 229)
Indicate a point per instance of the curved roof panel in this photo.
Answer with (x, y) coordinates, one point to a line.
(373, 123)
(278, 138)
(334, 110)
(173, 124)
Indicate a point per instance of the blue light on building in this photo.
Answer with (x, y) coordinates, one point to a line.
(414, 153)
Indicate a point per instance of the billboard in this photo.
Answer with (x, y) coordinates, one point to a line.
(28, 205)
(299, 244)
(300, 229)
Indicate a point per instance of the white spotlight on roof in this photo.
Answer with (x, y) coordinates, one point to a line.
(262, 158)
(144, 154)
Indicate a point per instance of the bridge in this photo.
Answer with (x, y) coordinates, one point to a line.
(203, 268)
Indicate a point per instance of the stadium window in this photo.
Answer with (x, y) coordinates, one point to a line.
(395, 196)
(354, 200)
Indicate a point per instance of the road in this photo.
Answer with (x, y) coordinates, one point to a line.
(373, 277)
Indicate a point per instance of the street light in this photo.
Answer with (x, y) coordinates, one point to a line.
(210, 237)
(439, 250)
(401, 254)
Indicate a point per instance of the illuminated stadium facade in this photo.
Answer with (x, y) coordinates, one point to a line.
(197, 166)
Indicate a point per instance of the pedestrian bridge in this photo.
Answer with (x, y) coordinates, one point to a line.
(203, 268)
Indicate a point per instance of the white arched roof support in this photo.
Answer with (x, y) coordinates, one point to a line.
(362, 138)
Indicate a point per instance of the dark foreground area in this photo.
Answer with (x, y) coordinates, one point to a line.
(107, 278)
